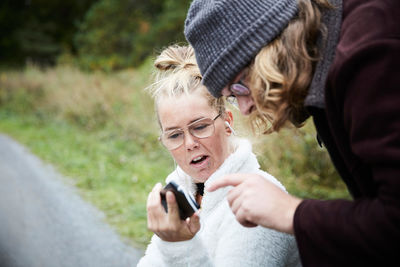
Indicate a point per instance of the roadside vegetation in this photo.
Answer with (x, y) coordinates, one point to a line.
(100, 131)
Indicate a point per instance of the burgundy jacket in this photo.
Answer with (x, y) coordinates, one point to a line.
(360, 127)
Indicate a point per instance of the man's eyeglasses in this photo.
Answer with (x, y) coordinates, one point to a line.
(237, 89)
(201, 128)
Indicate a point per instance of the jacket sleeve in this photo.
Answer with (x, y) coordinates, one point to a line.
(259, 246)
(152, 256)
(236, 246)
(185, 253)
(365, 90)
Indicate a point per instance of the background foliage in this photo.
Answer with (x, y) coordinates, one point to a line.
(72, 79)
(94, 34)
(38, 30)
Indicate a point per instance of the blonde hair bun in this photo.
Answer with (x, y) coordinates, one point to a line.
(177, 73)
(176, 57)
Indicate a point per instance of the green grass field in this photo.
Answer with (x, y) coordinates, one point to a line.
(113, 173)
(100, 131)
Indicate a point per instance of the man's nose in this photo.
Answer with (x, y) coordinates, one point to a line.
(246, 104)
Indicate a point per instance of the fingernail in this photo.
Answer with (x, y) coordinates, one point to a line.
(169, 195)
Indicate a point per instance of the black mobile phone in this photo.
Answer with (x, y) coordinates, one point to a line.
(187, 205)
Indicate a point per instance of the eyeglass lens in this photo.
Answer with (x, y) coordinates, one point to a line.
(237, 89)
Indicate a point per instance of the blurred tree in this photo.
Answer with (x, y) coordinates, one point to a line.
(10, 20)
(105, 34)
(38, 30)
(117, 34)
(166, 29)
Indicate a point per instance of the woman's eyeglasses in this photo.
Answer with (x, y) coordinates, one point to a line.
(202, 128)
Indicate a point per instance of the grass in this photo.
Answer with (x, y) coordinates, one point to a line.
(113, 173)
(100, 131)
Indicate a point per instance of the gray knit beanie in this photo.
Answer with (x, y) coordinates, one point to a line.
(227, 34)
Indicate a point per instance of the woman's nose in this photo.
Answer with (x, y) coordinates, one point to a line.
(190, 141)
(246, 104)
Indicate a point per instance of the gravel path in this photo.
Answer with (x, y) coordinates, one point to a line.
(45, 223)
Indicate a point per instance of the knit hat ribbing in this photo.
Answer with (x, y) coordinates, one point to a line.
(227, 34)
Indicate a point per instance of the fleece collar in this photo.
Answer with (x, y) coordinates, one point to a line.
(241, 161)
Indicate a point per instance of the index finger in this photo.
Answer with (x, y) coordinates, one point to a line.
(233, 179)
(154, 195)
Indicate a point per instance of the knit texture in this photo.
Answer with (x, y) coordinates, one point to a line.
(227, 34)
(332, 19)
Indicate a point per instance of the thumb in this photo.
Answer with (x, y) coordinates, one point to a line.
(173, 209)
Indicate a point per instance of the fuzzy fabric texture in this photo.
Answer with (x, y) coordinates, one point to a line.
(222, 241)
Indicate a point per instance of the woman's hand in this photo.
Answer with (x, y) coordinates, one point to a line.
(168, 226)
(256, 201)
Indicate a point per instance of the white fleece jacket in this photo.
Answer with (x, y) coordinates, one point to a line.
(222, 241)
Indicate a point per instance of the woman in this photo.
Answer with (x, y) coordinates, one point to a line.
(197, 131)
(337, 61)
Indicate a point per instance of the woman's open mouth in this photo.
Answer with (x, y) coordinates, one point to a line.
(200, 161)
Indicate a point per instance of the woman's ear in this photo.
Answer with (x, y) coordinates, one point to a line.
(229, 122)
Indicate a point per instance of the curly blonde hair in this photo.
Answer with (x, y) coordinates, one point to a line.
(281, 73)
(177, 74)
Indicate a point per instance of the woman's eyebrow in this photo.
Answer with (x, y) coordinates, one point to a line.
(196, 120)
(171, 128)
(176, 127)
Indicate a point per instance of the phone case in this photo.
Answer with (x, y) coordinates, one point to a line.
(187, 205)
